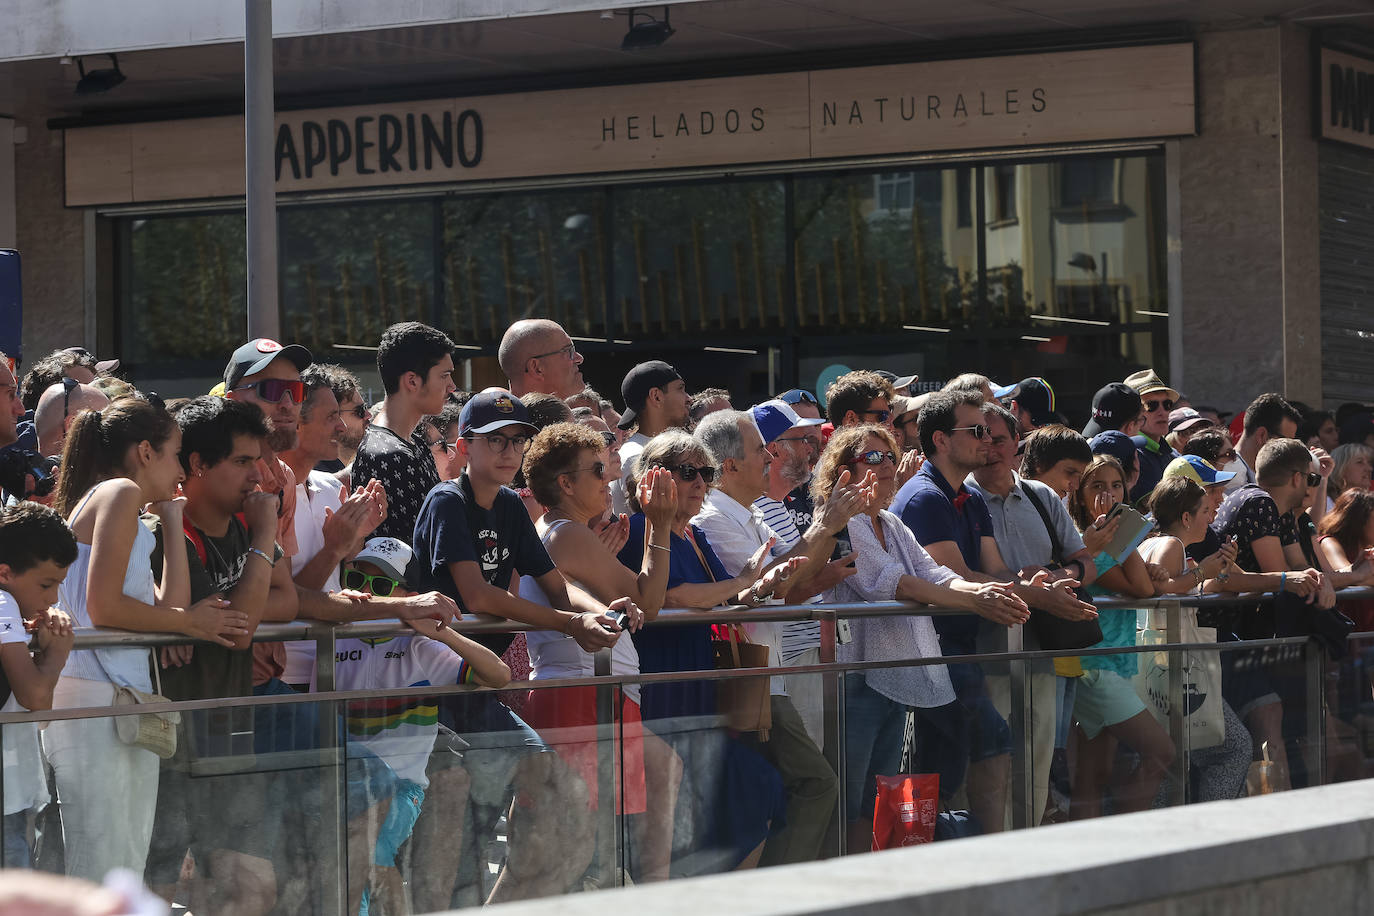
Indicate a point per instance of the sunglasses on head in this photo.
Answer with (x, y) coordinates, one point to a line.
(1152, 406)
(271, 390)
(798, 396)
(381, 586)
(688, 472)
(875, 458)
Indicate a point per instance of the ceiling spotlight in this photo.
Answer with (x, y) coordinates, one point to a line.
(648, 33)
(98, 80)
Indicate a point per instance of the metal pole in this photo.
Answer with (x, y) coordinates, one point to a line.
(259, 170)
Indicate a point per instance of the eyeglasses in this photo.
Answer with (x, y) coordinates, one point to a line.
(271, 390)
(608, 438)
(445, 445)
(1313, 479)
(381, 586)
(598, 468)
(498, 442)
(360, 411)
(688, 473)
(1152, 406)
(874, 458)
(879, 415)
(67, 385)
(798, 396)
(811, 441)
(979, 431)
(570, 349)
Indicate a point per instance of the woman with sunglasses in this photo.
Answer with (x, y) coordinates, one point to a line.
(890, 564)
(567, 467)
(116, 462)
(733, 810)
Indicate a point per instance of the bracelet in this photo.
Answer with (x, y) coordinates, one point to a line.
(659, 547)
(1283, 579)
(568, 623)
(270, 562)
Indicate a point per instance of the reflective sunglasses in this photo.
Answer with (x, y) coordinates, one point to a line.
(688, 473)
(979, 431)
(381, 586)
(1313, 479)
(874, 458)
(271, 390)
(596, 467)
(499, 442)
(798, 396)
(879, 415)
(1152, 406)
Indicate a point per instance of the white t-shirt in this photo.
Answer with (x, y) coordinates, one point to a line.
(319, 491)
(400, 730)
(629, 451)
(25, 786)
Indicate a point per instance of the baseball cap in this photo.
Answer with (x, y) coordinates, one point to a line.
(773, 418)
(493, 409)
(1115, 443)
(898, 381)
(387, 554)
(638, 382)
(902, 405)
(794, 396)
(102, 366)
(1147, 381)
(1197, 469)
(1114, 404)
(1183, 419)
(1036, 396)
(256, 354)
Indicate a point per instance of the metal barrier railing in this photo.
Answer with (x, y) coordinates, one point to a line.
(1016, 658)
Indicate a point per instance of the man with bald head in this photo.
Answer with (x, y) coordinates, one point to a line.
(58, 406)
(538, 355)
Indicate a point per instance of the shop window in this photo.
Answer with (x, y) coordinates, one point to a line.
(894, 191)
(1088, 183)
(963, 204)
(1002, 206)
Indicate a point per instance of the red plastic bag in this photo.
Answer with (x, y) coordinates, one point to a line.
(905, 809)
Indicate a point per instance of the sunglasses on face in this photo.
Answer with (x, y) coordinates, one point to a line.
(360, 411)
(1152, 406)
(875, 458)
(979, 431)
(272, 390)
(597, 467)
(878, 415)
(688, 472)
(498, 442)
(67, 385)
(381, 586)
(798, 396)
(1313, 479)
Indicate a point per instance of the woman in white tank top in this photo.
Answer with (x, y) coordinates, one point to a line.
(567, 468)
(116, 462)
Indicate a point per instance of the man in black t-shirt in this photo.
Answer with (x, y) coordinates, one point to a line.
(229, 541)
(415, 362)
(472, 536)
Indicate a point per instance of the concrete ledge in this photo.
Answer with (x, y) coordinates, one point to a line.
(1136, 861)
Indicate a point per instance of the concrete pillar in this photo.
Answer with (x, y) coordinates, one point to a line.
(52, 242)
(1248, 222)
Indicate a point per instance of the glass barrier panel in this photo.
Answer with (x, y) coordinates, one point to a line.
(1348, 693)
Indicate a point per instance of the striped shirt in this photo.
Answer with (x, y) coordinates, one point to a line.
(799, 635)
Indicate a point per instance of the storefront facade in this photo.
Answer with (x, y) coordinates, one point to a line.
(1075, 213)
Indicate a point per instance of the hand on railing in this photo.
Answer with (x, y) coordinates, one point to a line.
(1057, 596)
(997, 602)
(53, 628)
(594, 631)
(213, 619)
(432, 605)
(777, 580)
(1304, 583)
(1220, 561)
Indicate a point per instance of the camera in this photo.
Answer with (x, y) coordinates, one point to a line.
(18, 464)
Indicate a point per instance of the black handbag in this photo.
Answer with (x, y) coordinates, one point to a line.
(1293, 616)
(1051, 631)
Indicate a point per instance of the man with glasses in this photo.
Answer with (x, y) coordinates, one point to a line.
(859, 397)
(57, 408)
(1157, 400)
(536, 354)
(472, 536)
(415, 362)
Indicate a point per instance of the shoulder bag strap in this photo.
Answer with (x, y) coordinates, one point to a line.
(1056, 548)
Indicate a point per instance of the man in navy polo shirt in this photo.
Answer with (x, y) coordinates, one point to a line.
(951, 521)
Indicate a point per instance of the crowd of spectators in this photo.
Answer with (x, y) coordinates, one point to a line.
(283, 495)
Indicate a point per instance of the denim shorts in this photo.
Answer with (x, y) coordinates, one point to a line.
(874, 728)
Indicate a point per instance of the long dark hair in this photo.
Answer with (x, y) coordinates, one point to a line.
(1347, 520)
(98, 442)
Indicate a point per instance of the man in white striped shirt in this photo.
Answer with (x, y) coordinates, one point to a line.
(794, 444)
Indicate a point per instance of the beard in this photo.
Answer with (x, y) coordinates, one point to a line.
(347, 439)
(281, 440)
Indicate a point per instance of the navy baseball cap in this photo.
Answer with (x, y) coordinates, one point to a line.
(1114, 405)
(256, 354)
(1117, 444)
(493, 409)
(638, 382)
